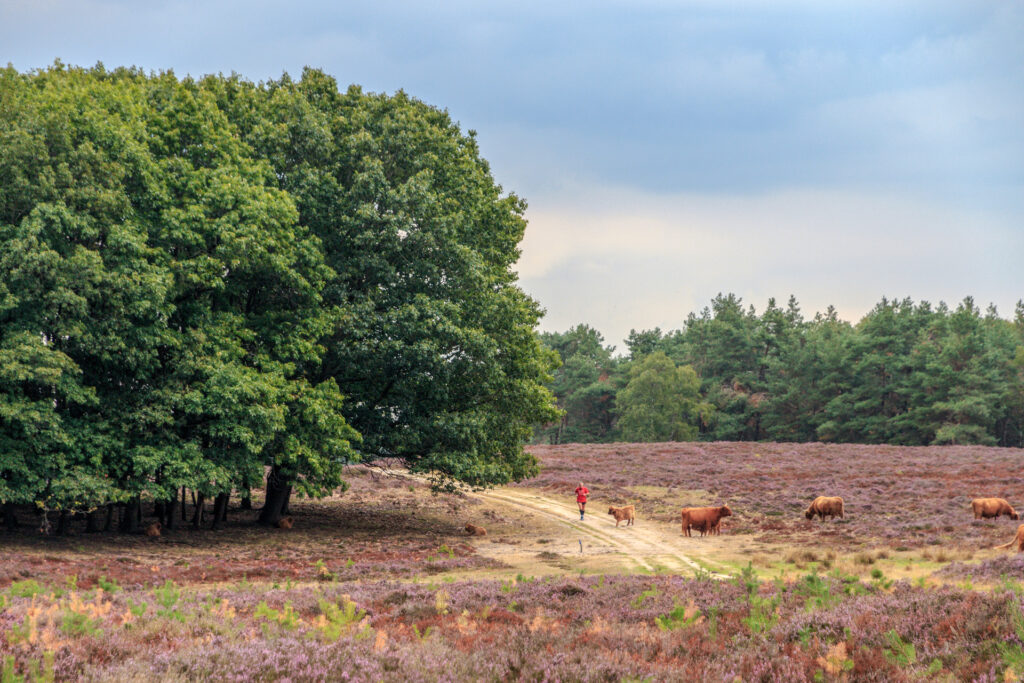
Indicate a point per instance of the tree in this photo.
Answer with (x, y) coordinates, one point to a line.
(661, 402)
(431, 341)
(582, 386)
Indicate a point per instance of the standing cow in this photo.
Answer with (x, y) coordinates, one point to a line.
(987, 508)
(706, 520)
(831, 506)
(626, 513)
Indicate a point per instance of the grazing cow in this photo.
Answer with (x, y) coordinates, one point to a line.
(625, 513)
(987, 508)
(825, 505)
(1018, 539)
(474, 530)
(706, 520)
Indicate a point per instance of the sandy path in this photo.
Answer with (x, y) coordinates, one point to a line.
(651, 545)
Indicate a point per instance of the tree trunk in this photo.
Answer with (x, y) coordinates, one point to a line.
(130, 516)
(10, 518)
(278, 488)
(220, 510)
(171, 510)
(93, 521)
(109, 524)
(197, 516)
(246, 494)
(62, 523)
(159, 510)
(286, 508)
(183, 504)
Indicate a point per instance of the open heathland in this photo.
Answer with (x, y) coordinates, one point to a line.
(381, 582)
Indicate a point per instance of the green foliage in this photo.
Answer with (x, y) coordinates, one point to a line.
(77, 624)
(639, 600)
(37, 672)
(581, 386)
(763, 613)
(201, 279)
(109, 585)
(338, 619)
(26, 589)
(907, 373)
(681, 616)
(818, 592)
(286, 616)
(660, 402)
(167, 597)
(899, 651)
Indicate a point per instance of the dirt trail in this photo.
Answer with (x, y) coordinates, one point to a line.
(651, 545)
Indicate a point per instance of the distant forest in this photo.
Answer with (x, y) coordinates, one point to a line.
(907, 374)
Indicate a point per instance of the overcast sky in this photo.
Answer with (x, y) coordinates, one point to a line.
(837, 151)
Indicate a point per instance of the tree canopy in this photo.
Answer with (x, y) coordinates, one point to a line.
(907, 373)
(202, 279)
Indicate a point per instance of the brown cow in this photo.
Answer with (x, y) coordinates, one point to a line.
(474, 530)
(285, 523)
(986, 508)
(153, 529)
(704, 519)
(625, 513)
(1018, 539)
(825, 505)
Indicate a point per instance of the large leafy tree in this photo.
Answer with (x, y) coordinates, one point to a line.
(83, 301)
(431, 341)
(661, 402)
(159, 299)
(196, 273)
(582, 385)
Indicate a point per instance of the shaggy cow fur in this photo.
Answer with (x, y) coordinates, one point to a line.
(705, 520)
(625, 513)
(831, 506)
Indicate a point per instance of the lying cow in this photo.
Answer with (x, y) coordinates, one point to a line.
(474, 530)
(1018, 539)
(625, 513)
(987, 508)
(831, 506)
(705, 520)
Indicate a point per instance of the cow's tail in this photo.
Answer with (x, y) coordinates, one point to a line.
(1005, 545)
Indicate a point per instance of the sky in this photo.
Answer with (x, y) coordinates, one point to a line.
(840, 152)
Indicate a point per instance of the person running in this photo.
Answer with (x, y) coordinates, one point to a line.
(581, 498)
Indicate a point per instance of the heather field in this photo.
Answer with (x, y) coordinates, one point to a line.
(906, 506)
(380, 583)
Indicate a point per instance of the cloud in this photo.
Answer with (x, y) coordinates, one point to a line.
(620, 259)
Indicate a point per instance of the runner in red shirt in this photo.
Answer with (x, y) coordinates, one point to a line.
(581, 497)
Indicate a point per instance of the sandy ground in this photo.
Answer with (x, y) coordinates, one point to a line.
(595, 544)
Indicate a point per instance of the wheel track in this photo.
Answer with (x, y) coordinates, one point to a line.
(650, 547)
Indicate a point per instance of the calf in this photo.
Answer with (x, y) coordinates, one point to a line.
(626, 512)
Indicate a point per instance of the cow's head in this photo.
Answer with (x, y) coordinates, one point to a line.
(725, 511)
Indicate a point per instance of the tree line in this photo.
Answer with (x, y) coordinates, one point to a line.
(907, 373)
(205, 280)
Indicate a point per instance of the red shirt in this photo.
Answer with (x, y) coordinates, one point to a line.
(581, 494)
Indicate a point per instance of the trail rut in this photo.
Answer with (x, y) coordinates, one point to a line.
(652, 546)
